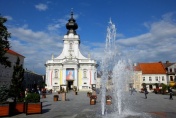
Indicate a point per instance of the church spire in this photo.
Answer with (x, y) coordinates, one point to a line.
(71, 25)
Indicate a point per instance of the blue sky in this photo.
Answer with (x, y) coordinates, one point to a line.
(146, 29)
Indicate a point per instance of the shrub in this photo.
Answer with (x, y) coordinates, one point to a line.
(32, 98)
(108, 97)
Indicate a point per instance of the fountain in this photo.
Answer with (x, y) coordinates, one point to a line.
(116, 67)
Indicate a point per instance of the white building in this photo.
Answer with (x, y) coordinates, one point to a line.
(171, 73)
(71, 68)
(150, 74)
(7, 72)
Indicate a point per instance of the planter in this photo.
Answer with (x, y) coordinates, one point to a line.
(89, 94)
(63, 96)
(108, 102)
(92, 101)
(55, 97)
(5, 109)
(18, 107)
(34, 108)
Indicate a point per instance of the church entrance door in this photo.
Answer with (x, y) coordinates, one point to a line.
(70, 85)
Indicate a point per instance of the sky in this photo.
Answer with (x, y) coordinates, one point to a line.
(146, 29)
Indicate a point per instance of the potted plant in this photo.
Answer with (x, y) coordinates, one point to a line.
(89, 94)
(93, 99)
(108, 100)
(55, 97)
(75, 90)
(4, 105)
(164, 88)
(33, 104)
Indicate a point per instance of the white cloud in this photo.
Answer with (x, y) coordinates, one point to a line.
(8, 17)
(41, 7)
(57, 24)
(158, 44)
(37, 47)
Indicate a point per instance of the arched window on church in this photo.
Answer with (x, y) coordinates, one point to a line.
(56, 73)
(71, 46)
(84, 73)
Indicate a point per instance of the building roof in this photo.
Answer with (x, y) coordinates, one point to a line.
(137, 68)
(167, 64)
(151, 68)
(14, 53)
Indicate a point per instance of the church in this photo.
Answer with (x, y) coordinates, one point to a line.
(71, 69)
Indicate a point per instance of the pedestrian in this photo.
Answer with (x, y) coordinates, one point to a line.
(26, 92)
(38, 90)
(132, 91)
(170, 93)
(145, 92)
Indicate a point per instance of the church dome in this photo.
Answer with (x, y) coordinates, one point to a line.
(71, 25)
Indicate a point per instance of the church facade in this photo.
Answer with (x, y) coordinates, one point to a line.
(71, 69)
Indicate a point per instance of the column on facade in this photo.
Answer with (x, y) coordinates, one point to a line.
(76, 77)
(64, 76)
(80, 78)
(61, 77)
(90, 77)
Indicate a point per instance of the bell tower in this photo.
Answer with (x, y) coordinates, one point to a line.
(71, 68)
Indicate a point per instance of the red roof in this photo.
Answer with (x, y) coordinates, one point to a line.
(151, 68)
(137, 68)
(14, 53)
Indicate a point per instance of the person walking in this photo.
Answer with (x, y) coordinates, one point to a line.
(170, 93)
(145, 92)
(26, 92)
(132, 90)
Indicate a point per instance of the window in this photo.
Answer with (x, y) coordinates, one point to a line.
(150, 79)
(171, 78)
(170, 69)
(162, 78)
(143, 78)
(95, 75)
(84, 73)
(71, 46)
(56, 73)
(156, 78)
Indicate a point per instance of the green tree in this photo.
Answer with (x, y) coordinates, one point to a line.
(143, 85)
(4, 43)
(164, 88)
(16, 88)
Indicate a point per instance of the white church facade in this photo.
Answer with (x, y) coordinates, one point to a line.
(71, 69)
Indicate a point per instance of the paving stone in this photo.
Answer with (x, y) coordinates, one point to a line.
(78, 106)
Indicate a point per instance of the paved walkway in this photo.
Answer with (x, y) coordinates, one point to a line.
(78, 106)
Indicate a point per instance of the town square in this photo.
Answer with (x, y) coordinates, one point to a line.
(65, 59)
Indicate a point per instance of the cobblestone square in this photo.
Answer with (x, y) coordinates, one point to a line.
(78, 106)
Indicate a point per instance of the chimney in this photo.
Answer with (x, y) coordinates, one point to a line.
(135, 64)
